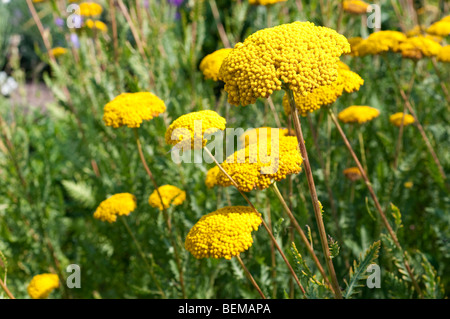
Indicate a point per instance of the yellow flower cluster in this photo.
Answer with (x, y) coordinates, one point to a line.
(254, 135)
(224, 233)
(440, 28)
(191, 128)
(259, 165)
(355, 6)
(347, 81)
(131, 109)
(90, 9)
(444, 54)
(211, 63)
(300, 55)
(418, 47)
(116, 205)
(378, 42)
(96, 24)
(211, 177)
(58, 51)
(42, 285)
(354, 42)
(264, 2)
(358, 114)
(171, 195)
(352, 173)
(396, 119)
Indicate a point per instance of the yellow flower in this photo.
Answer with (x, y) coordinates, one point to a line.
(90, 9)
(396, 119)
(441, 28)
(254, 135)
(211, 63)
(192, 127)
(446, 18)
(352, 173)
(224, 233)
(408, 184)
(131, 109)
(42, 285)
(211, 177)
(264, 2)
(354, 44)
(116, 205)
(378, 42)
(171, 195)
(258, 165)
(96, 24)
(418, 47)
(444, 54)
(58, 51)
(347, 81)
(355, 6)
(300, 55)
(358, 114)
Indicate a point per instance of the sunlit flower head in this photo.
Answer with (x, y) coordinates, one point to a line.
(254, 135)
(192, 127)
(171, 196)
(300, 55)
(440, 28)
(90, 9)
(352, 173)
(42, 285)
(378, 42)
(211, 63)
(224, 233)
(264, 2)
(358, 114)
(355, 6)
(396, 119)
(354, 42)
(96, 24)
(418, 47)
(131, 109)
(58, 51)
(444, 54)
(211, 177)
(121, 204)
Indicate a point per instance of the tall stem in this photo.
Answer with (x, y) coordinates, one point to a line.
(313, 193)
(249, 275)
(3, 286)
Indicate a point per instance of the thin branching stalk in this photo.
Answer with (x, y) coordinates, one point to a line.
(272, 251)
(8, 293)
(362, 149)
(249, 275)
(219, 25)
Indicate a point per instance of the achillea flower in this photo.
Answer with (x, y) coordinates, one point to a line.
(444, 54)
(211, 177)
(358, 114)
(131, 109)
(353, 45)
(440, 28)
(446, 18)
(42, 285)
(396, 119)
(418, 47)
(192, 127)
(254, 135)
(259, 165)
(90, 9)
(264, 2)
(97, 25)
(211, 63)
(300, 55)
(171, 195)
(352, 173)
(379, 42)
(408, 184)
(58, 51)
(355, 6)
(117, 205)
(224, 233)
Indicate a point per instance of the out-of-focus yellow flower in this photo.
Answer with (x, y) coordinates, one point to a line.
(358, 114)
(440, 28)
(352, 173)
(58, 51)
(396, 119)
(354, 45)
(446, 18)
(355, 6)
(224, 233)
(408, 184)
(131, 109)
(418, 47)
(264, 2)
(117, 205)
(171, 195)
(254, 135)
(211, 63)
(42, 285)
(192, 127)
(90, 9)
(378, 42)
(300, 55)
(211, 177)
(444, 54)
(258, 165)
(96, 24)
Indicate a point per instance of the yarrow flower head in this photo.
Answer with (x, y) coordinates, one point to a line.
(224, 233)
(396, 119)
(440, 28)
(211, 177)
(444, 54)
(117, 205)
(189, 130)
(42, 285)
(211, 63)
(171, 195)
(258, 165)
(58, 51)
(96, 24)
(378, 42)
(131, 109)
(264, 2)
(299, 55)
(254, 135)
(352, 173)
(418, 47)
(355, 6)
(358, 114)
(90, 9)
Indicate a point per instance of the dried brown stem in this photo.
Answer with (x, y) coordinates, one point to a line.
(249, 275)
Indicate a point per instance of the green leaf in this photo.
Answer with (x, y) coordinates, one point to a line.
(80, 192)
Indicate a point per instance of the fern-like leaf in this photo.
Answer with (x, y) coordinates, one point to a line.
(81, 192)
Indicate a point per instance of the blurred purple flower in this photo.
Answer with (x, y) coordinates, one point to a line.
(59, 22)
(74, 40)
(146, 4)
(175, 2)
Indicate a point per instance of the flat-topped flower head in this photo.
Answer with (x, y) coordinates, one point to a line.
(224, 233)
(299, 55)
(352, 173)
(355, 6)
(418, 47)
(189, 130)
(264, 2)
(378, 42)
(440, 28)
(444, 54)
(131, 109)
(258, 165)
(58, 51)
(211, 63)
(171, 196)
(358, 114)
(254, 135)
(90, 9)
(42, 285)
(353, 45)
(96, 25)
(211, 177)
(396, 119)
(121, 204)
